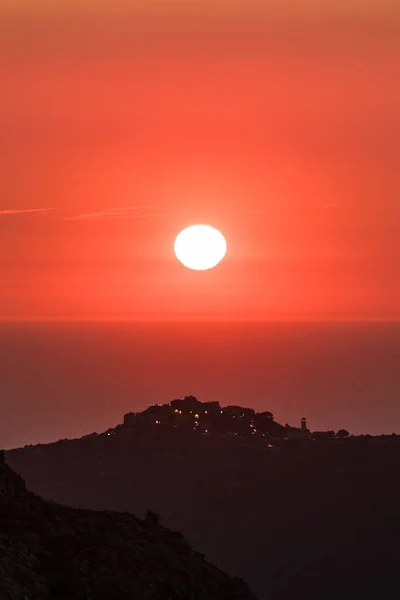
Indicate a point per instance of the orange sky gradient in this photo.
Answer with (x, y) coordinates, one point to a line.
(120, 126)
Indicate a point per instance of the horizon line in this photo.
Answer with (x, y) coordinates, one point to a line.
(88, 319)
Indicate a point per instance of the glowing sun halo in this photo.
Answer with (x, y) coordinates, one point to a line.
(200, 247)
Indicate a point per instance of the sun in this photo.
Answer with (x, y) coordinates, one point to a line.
(200, 247)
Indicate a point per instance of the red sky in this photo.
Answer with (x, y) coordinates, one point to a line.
(279, 125)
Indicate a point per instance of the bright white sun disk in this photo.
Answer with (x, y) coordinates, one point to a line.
(200, 247)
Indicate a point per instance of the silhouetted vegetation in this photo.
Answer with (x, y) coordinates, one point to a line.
(342, 434)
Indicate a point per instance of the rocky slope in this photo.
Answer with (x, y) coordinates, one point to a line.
(49, 551)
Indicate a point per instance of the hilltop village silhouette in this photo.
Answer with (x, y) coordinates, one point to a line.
(209, 418)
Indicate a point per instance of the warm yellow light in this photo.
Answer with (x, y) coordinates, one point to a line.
(200, 247)
(196, 416)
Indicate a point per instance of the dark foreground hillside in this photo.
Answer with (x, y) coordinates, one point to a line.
(294, 513)
(48, 551)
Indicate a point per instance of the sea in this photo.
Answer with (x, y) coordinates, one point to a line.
(67, 379)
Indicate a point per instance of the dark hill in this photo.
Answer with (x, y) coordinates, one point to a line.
(305, 518)
(49, 551)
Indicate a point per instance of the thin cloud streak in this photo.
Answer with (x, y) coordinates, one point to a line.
(129, 212)
(24, 211)
(109, 213)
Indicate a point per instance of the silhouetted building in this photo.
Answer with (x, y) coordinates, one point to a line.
(211, 409)
(130, 419)
(295, 433)
(188, 404)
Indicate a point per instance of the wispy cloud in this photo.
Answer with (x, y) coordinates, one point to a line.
(123, 212)
(139, 212)
(24, 211)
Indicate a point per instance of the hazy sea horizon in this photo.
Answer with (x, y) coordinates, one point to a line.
(65, 379)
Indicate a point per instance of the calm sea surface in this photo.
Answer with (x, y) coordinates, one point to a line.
(62, 380)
